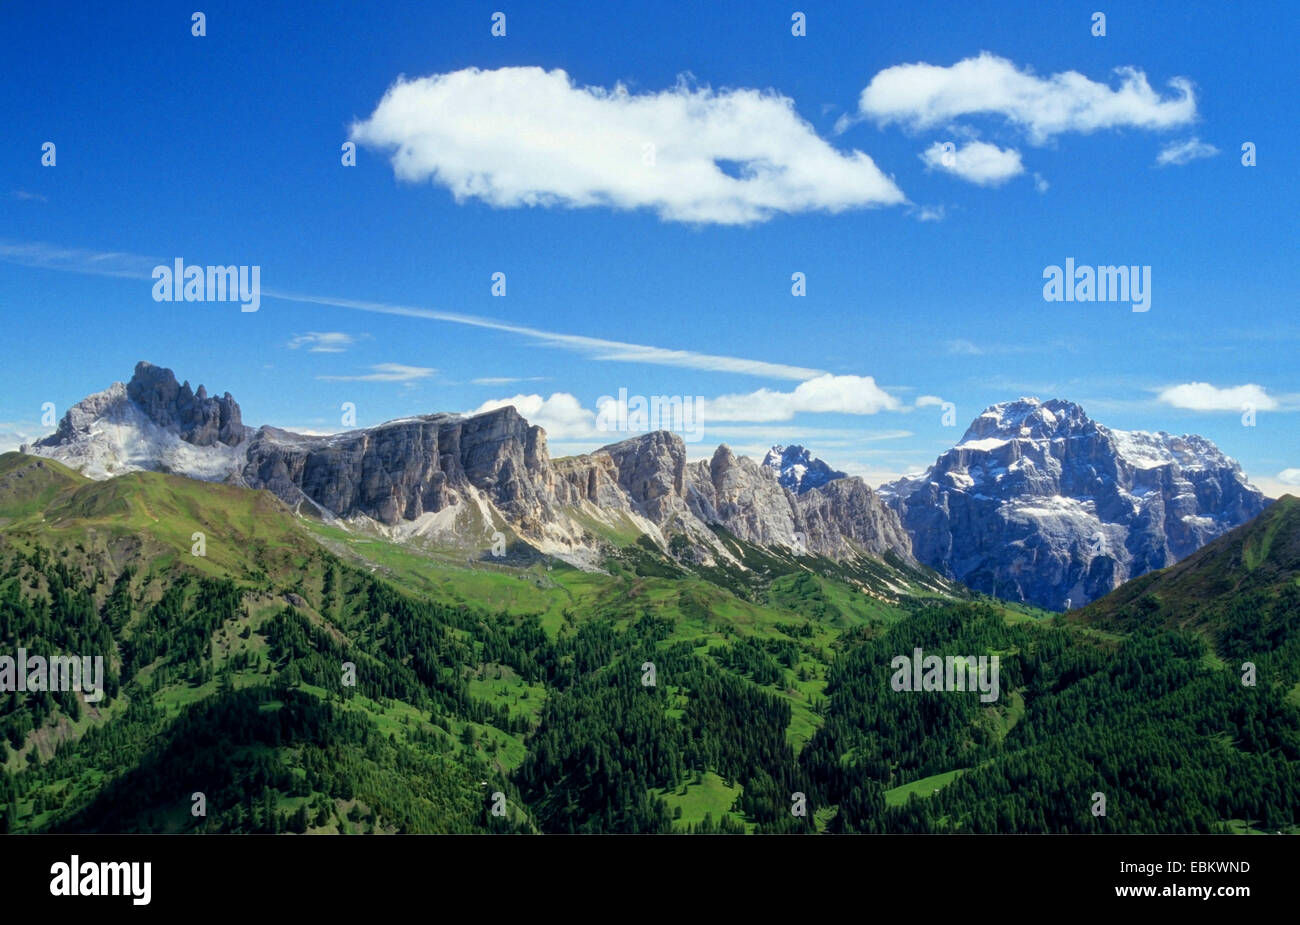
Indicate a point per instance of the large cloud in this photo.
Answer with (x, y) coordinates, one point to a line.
(564, 418)
(924, 95)
(524, 136)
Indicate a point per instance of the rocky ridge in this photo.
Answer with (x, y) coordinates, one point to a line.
(459, 478)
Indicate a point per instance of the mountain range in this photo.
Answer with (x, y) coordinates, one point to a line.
(1036, 503)
(303, 677)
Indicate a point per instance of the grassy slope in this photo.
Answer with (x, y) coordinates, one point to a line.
(1259, 557)
(149, 519)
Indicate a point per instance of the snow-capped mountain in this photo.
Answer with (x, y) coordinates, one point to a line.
(152, 423)
(797, 469)
(1039, 503)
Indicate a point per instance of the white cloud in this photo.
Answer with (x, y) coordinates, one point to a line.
(922, 95)
(962, 347)
(1039, 183)
(322, 341)
(77, 260)
(524, 136)
(1181, 152)
(564, 418)
(1284, 483)
(506, 380)
(929, 401)
(314, 431)
(931, 214)
(1201, 396)
(387, 372)
(826, 394)
(561, 416)
(1289, 477)
(977, 162)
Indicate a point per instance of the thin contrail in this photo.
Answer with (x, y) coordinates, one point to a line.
(135, 266)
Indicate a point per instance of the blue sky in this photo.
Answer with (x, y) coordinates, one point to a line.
(924, 273)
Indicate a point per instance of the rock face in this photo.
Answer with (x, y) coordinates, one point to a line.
(797, 469)
(459, 477)
(404, 469)
(1039, 503)
(746, 499)
(846, 512)
(837, 520)
(198, 419)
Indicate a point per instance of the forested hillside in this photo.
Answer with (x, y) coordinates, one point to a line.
(301, 679)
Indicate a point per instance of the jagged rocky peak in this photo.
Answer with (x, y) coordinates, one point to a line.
(1028, 418)
(797, 469)
(722, 465)
(652, 470)
(198, 419)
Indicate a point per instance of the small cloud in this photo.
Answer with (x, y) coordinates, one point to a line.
(14, 434)
(976, 162)
(387, 372)
(929, 401)
(323, 341)
(507, 380)
(1201, 396)
(29, 197)
(1040, 184)
(964, 348)
(314, 431)
(1289, 477)
(930, 214)
(1182, 152)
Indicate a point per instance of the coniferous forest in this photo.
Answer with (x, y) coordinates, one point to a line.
(285, 684)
